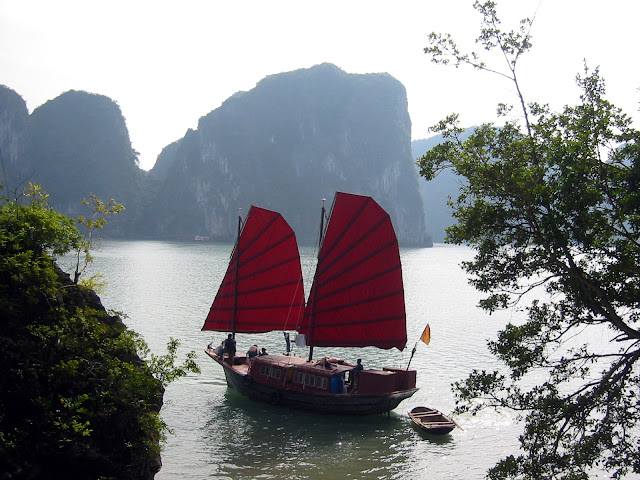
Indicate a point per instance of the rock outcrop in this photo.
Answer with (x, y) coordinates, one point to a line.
(14, 130)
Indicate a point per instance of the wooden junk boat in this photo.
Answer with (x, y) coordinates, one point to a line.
(356, 300)
(432, 421)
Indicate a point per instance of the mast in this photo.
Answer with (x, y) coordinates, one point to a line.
(235, 294)
(322, 213)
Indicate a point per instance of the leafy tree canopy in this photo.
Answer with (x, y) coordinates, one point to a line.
(551, 204)
(80, 394)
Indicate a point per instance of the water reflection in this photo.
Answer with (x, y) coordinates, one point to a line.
(256, 440)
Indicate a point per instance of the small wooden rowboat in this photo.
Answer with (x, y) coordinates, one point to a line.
(432, 421)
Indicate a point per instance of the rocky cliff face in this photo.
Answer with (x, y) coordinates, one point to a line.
(78, 145)
(294, 139)
(14, 128)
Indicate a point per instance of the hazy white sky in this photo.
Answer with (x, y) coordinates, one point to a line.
(168, 63)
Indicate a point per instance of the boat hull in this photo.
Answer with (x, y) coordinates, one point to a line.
(329, 403)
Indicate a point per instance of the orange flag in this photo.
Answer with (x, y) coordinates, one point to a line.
(426, 335)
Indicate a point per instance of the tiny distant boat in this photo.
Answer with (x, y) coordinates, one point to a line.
(357, 300)
(432, 421)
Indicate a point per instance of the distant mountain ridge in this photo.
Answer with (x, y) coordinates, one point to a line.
(295, 138)
(435, 193)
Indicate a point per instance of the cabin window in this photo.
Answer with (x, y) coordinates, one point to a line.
(311, 380)
(270, 371)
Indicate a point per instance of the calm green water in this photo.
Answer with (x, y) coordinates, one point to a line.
(166, 290)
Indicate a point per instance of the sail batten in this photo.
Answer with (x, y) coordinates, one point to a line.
(345, 306)
(261, 307)
(340, 235)
(329, 280)
(265, 252)
(354, 246)
(265, 270)
(363, 321)
(262, 289)
(357, 296)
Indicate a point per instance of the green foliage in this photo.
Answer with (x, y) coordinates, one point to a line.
(28, 235)
(554, 208)
(97, 221)
(36, 228)
(76, 398)
(164, 367)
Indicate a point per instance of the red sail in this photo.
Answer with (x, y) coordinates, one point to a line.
(357, 297)
(270, 293)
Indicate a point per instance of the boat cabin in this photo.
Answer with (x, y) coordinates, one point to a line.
(326, 375)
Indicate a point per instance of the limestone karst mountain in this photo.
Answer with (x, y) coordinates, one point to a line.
(294, 139)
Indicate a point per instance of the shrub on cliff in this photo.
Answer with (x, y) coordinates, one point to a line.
(76, 399)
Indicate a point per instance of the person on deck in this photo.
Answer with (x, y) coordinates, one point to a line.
(356, 375)
(230, 348)
(253, 351)
(263, 352)
(220, 349)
